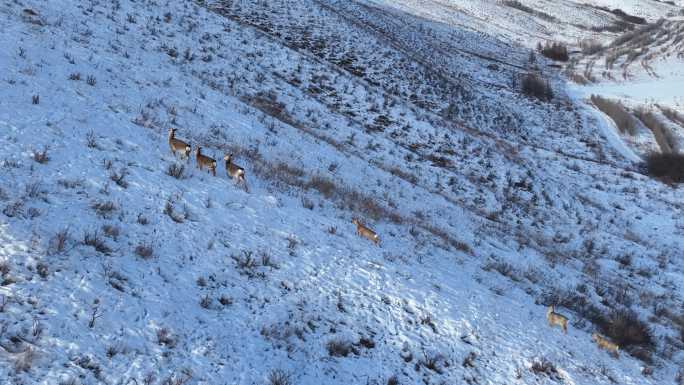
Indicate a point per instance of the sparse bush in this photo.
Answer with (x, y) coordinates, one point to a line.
(555, 51)
(393, 380)
(166, 338)
(59, 240)
(669, 167)
(541, 365)
(625, 121)
(24, 360)
(176, 170)
(624, 327)
(535, 86)
(91, 140)
(590, 46)
(90, 80)
(279, 377)
(225, 300)
(34, 189)
(143, 220)
(75, 76)
(338, 348)
(118, 177)
(104, 209)
(665, 138)
(94, 240)
(169, 210)
(673, 115)
(35, 99)
(144, 250)
(432, 362)
(111, 231)
(206, 302)
(522, 7)
(14, 209)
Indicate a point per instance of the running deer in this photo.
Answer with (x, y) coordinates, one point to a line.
(203, 160)
(366, 232)
(557, 319)
(178, 145)
(603, 343)
(234, 171)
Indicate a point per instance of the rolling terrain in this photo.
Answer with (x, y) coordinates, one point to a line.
(121, 263)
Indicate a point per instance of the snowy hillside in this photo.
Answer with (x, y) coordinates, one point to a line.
(121, 264)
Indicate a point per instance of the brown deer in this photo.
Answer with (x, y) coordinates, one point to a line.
(178, 145)
(603, 343)
(205, 161)
(234, 171)
(366, 232)
(557, 319)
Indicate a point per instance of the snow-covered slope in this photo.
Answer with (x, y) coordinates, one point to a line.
(489, 205)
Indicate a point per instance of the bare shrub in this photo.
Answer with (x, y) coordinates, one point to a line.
(338, 348)
(24, 360)
(142, 219)
(555, 51)
(41, 156)
(323, 185)
(522, 7)
(14, 209)
(91, 140)
(206, 302)
(590, 46)
(268, 103)
(432, 362)
(669, 167)
(94, 240)
(166, 338)
(104, 209)
(535, 86)
(76, 76)
(59, 240)
(176, 170)
(626, 329)
(168, 210)
(91, 81)
(625, 121)
(664, 136)
(144, 250)
(118, 177)
(111, 231)
(279, 377)
(34, 189)
(225, 300)
(35, 99)
(542, 366)
(672, 115)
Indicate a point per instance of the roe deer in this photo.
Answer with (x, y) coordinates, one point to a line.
(366, 232)
(603, 343)
(203, 160)
(234, 171)
(178, 145)
(557, 319)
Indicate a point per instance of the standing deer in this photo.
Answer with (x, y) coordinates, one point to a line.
(178, 145)
(603, 343)
(557, 319)
(365, 232)
(234, 171)
(203, 160)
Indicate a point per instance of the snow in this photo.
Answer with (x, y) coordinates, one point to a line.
(240, 284)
